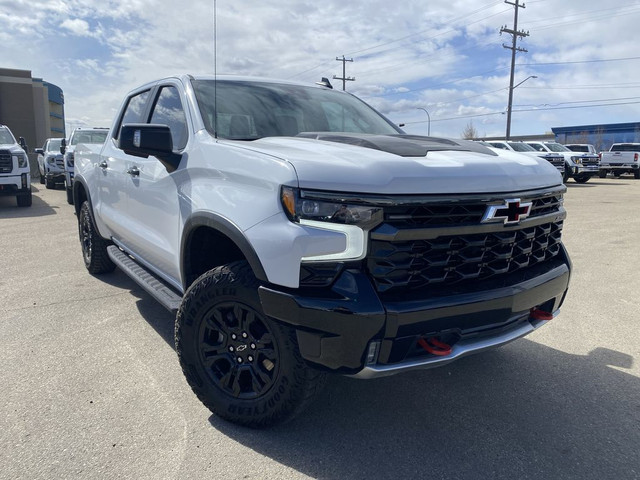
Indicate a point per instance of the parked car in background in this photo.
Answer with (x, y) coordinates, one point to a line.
(555, 159)
(621, 158)
(94, 135)
(577, 165)
(582, 147)
(15, 176)
(51, 162)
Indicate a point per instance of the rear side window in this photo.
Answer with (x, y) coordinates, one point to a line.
(168, 111)
(134, 110)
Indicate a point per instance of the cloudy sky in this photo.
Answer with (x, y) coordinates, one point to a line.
(444, 56)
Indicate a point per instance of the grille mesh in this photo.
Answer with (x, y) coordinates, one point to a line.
(457, 258)
(5, 161)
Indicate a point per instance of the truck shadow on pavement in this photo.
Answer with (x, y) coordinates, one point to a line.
(38, 208)
(523, 411)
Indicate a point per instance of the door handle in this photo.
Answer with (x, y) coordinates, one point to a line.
(134, 171)
(103, 164)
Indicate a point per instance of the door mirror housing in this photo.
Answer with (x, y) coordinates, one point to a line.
(144, 139)
(22, 143)
(63, 145)
(39, 151)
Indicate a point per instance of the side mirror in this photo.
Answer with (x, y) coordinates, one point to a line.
(39, 151)
(144, 139)
(63, 145)
(22, 143)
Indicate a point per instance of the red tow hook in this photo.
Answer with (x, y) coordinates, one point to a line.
(537, 314)
(435, 346)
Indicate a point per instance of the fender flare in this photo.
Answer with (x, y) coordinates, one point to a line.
(227, 228)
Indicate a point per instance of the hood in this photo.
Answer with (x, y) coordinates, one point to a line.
(405, 164)
(13, 147)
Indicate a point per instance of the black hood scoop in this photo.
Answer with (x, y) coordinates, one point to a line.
(401, 145)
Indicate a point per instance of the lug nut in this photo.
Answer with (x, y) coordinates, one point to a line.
(253, 346)
(250, 358)
(233, 336)
(231, 349)
(244, 335)
(239, 359)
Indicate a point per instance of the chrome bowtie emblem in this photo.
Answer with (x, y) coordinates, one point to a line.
(511, 212)
(241, 348)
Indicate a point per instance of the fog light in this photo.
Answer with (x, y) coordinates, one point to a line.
(372, 355)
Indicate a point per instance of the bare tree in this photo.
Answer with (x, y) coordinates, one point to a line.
(470, 132)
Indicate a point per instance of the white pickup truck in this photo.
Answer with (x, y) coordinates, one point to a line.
(621, 158)
(15, 179)
(296, 231)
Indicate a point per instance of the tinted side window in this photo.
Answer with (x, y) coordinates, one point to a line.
(134, 110)
(168, 111)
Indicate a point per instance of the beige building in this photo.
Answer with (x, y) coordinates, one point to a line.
(31, 107)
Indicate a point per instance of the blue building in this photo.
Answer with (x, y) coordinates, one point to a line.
(601, 136)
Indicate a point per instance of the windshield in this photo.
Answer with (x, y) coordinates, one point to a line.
(89, 136)
(578, 148)
(625, 147)
(556, 147)
(521, 147)
(251, 110)
(6, 137)
(54, 145)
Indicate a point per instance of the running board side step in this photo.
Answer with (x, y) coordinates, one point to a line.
(149, 282)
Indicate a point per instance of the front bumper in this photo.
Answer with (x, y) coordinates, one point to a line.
(350, 329)
(585, 170)
(11, 185)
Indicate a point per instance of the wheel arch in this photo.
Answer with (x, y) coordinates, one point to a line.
(199, 231)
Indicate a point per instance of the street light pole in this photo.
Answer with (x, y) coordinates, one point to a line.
(509, 106)
(429, 117)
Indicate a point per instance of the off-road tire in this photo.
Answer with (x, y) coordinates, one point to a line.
(50, 184)
(42, 175)
(566, 175)
(94, 247)
(244, 366)
(24, 199)
(602, 174)
(69, 196)
(636, 174)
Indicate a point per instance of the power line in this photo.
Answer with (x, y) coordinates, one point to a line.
(542, 109)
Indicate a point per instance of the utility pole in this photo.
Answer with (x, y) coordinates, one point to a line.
(344, 77)
(515, 34)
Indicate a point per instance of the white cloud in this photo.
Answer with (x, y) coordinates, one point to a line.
(444, 55)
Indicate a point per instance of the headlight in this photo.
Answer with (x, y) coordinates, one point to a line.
(70, 157)
(577, 160)
(328, 211)
(51, 160)
(21, 160)
(327, 207)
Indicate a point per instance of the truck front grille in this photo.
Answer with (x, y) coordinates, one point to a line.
(451, 214)
(6, 165)
(453, 259)
(60, 162)
(406, 255)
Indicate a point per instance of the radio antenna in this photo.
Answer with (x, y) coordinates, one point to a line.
(215, 70)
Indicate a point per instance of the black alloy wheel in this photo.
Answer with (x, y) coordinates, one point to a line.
(238, 350)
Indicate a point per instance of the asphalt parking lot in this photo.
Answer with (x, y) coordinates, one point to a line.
(91, 388)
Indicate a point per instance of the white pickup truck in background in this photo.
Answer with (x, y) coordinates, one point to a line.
(621, 158)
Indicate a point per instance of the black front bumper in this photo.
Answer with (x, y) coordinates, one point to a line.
(336, 328)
